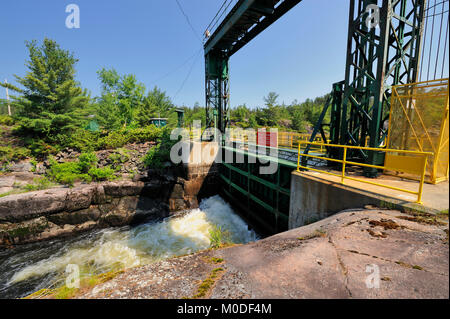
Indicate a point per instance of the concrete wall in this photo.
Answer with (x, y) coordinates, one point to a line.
(313, 199)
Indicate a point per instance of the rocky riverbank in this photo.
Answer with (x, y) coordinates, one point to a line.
(354, 254)
(63, 211)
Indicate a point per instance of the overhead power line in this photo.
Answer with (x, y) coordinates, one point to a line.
(188, 21)
(176, 68)
(188, 74)
(222, 10)
(213, 19)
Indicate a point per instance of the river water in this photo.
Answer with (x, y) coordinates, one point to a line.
(28, 268)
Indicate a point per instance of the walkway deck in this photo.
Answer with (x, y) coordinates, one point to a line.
(434, 196)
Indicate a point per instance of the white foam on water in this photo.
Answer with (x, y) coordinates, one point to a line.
(147, 243)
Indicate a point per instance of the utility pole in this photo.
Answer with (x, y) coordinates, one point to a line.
(7, 98)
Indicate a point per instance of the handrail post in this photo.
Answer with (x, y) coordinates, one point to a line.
(343, 165)
(422, 179)
(298, 157)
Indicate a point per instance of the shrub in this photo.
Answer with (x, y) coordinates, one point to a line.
(120, 156)
(6, 120)
(66, 173)
(39, 183)
(8, 153)
(145, 134)
(40, 148)
(160, 153)
(102, 174)
(84, 140)
(87, 161)
(85, 169)
(116, 139)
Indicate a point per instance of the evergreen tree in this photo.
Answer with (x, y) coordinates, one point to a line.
(49, 85)
(51, 105)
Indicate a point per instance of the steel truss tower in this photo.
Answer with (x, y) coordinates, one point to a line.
(380, 53)
(217, 90)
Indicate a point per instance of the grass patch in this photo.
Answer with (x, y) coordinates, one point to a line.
(403, 264)
(13, 192)
(443, 213)
(219, 237)
(208, 283)
(7, 193)
(215, 260)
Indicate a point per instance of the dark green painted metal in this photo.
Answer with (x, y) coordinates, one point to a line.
(260, 196)
(244, 22)
(376, 60)
(217, 90)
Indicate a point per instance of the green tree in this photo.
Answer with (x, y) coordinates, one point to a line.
(49, 86)
(240, 114)
(270, 115)
(121, 98)
(51, 105)
(271, 99)
(155, 104)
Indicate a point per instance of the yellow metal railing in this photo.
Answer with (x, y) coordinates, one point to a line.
(292, 139)
(415, 164)
(289, 140)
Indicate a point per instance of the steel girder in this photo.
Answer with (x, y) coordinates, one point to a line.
(245, 21)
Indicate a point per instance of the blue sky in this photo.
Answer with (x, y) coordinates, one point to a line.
(299, 56)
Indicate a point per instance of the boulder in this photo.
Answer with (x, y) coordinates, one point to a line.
(122, 214)
(80, 197)
(20, 207)
(123, 188)
(23, 166)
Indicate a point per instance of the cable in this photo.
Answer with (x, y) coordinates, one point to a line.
(445, 50)
(424, 44)
(436, 5)
(431, 42)
(188, 21)
(223, 12)
(176, 69)
(439, 42)
(188, 74)
(207, 28)
(436, 14)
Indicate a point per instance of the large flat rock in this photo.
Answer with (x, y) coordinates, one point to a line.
(353, 254)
